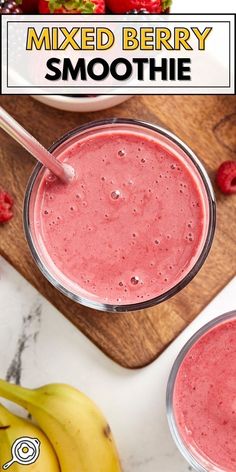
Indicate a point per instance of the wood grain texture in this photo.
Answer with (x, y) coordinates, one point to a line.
(208, 125)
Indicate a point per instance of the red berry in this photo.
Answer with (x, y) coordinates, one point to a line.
(6, 203)
(43, 7)
(70, 7)
(29, 6)
(124, 6)
(226, 177)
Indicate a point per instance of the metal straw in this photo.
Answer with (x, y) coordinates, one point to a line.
(64, 172)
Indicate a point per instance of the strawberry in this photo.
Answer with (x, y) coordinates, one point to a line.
(226, 177)
(71, 6)
(166, 4)
(125, 6)
(6, 203)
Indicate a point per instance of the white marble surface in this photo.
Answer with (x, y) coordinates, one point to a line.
(38, 345)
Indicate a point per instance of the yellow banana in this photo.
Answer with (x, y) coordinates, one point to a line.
(32, 447)
(74, 425)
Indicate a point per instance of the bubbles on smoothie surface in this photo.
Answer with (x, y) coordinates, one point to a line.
(51, 177)
(190, 237)
(119, 209)
(121, 153)
(115, 194)
(135, 280)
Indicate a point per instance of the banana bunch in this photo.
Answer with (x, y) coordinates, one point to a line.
(74, 427)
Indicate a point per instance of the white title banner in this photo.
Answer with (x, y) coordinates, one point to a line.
(128, 54)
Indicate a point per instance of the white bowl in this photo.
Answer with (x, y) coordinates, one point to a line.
(82, 104)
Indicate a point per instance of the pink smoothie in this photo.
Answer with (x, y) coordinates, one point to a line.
(130, 226)
(205, 398)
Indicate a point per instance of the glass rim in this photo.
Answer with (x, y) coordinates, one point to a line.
(176, 435)
(210, 230)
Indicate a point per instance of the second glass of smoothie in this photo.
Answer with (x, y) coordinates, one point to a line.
(201, 397)
(135, 225)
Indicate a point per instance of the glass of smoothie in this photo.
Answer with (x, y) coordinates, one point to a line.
(201, 397)
(134, 226)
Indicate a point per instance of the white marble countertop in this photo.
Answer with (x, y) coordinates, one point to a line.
(38, 346)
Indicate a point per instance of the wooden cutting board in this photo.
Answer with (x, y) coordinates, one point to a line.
(205, 123)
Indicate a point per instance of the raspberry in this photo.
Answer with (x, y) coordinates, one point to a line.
(9, 7)
(125, 6)
(226, 177)
(6, 203)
